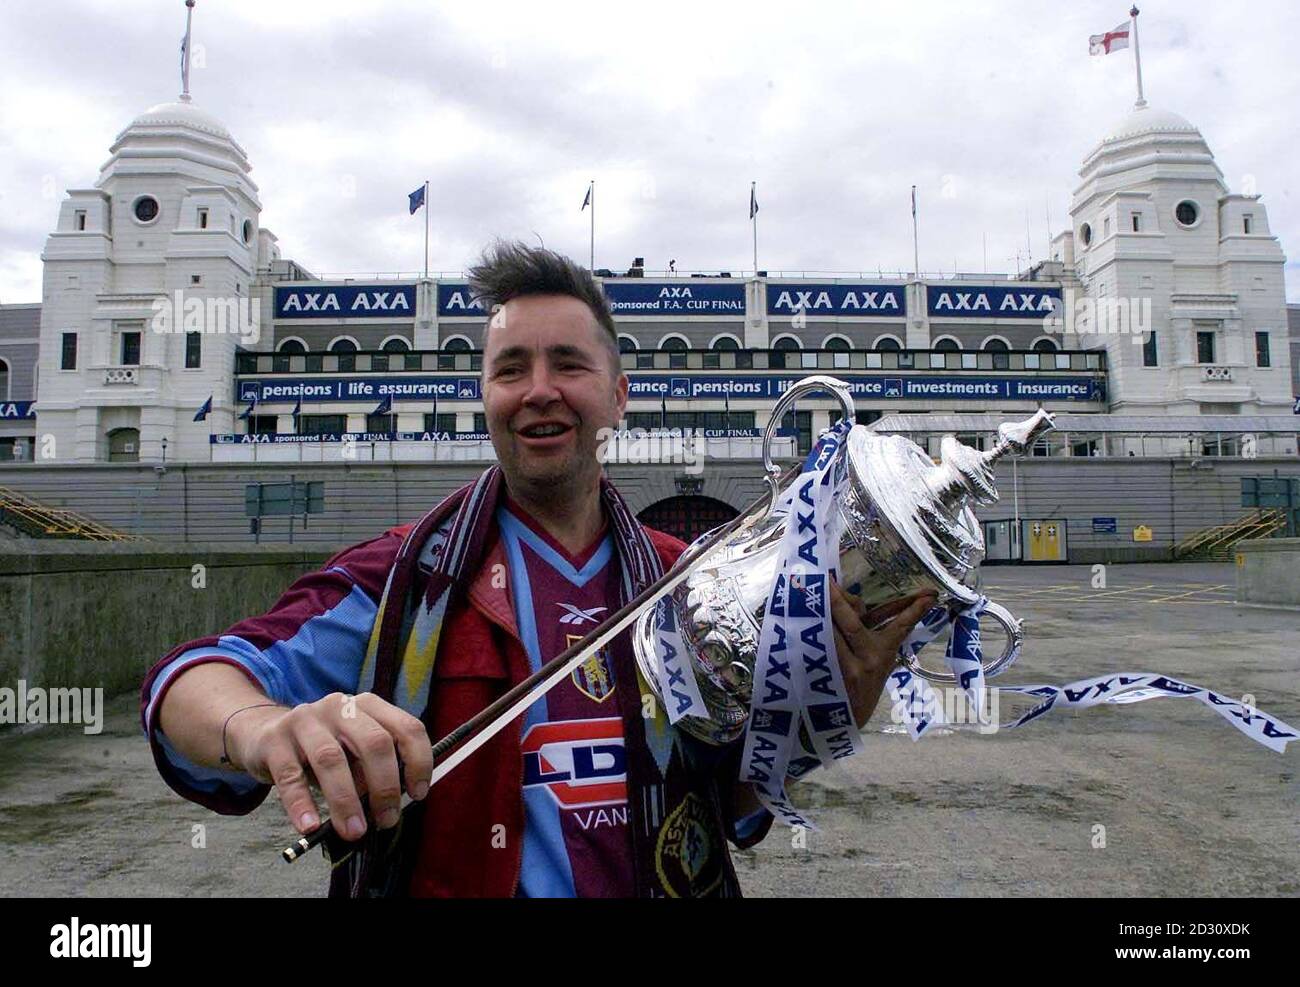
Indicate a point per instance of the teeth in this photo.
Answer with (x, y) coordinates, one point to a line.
(540, 431)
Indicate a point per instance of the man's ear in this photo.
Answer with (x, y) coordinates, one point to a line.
(621, 395)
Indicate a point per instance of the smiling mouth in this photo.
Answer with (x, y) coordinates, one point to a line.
(544, 430)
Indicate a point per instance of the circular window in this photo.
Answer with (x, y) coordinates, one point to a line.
(1187, 213)
(1085, 234)
(145, 209)
(248, 231)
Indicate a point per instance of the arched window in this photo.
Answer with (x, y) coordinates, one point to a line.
(888, 343)
(673, 343)
(1046, 346)
(947, 345)
(346, 350)
(396, 345)
(995, 345)
(784, 345)
(292, 346)
(626, 344)
(838, 343)
(725, 343)
(456, 344)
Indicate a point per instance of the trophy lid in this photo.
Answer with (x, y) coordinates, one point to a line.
(930, 506)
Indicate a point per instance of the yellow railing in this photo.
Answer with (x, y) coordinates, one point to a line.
(39, 521)
(1219, 539)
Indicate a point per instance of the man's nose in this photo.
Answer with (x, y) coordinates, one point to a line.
(541, 388)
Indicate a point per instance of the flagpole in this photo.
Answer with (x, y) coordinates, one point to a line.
(185, 53)
(1137, 57)
(916, 250)
(426, 229)
(753, 218)
(592, 190)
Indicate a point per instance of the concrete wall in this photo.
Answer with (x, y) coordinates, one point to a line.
(1268, 572)
(205, 503)
(98, 615)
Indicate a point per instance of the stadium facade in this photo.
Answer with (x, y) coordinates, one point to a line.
(162, 291)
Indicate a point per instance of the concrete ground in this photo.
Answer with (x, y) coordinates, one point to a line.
(1187, 805)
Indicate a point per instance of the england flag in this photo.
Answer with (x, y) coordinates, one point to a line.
(1113, 40)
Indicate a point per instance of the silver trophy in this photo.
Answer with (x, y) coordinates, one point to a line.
(904, 526)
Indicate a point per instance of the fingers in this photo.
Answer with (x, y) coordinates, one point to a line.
(848, 625)
(373, 749)
(854, 680)
(329, 765)
(413, 746)
(282, 761)
(349, 746)
(895, 633)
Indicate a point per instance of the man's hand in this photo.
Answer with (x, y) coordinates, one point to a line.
(867, 656)
(349, 745)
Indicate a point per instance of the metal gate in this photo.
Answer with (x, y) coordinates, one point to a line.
(687, 517)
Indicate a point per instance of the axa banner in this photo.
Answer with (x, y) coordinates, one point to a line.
(317, 389)
(879, 386)
(644, 387)
(230, 438)
(678, 299)
(837, 299)
(345, 301)
(17, 410)
(454, 299)
(958, 301)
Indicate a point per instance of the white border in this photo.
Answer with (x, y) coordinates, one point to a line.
(351, 339)
(469, 344)
(142, 222)
(1200, 214)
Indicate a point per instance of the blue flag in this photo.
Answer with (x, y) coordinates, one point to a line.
(385, 406)
(249, 410)
(202, 413)
(587, 201)
(417, 199)
(753, 203)
(297, 409)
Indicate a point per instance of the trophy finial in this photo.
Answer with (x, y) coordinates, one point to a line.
(965, 472)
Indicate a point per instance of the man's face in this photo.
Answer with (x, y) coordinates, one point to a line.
(549, 387)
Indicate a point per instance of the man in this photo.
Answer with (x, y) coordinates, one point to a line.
(402, 638)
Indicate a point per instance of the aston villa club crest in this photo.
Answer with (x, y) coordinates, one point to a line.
(594, 678)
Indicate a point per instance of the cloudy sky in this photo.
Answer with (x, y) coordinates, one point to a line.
(835, 109)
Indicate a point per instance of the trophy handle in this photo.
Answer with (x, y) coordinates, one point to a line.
(816, 382)
(1012, 626)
